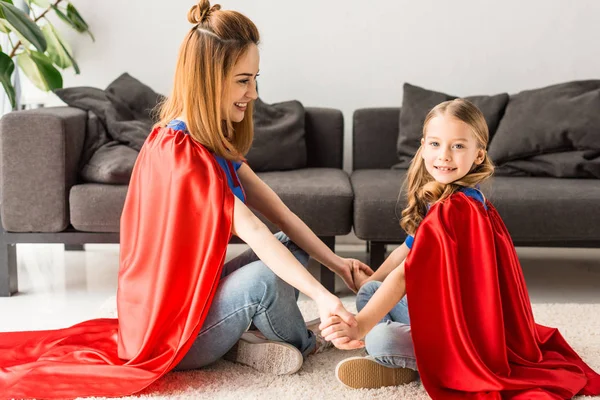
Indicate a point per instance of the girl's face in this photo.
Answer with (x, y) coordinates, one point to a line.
(242, 88)
(450, 149)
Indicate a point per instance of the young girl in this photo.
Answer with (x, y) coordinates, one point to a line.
(178, 305)
(471, 324)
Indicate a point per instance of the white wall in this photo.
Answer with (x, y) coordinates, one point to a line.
(349, 54)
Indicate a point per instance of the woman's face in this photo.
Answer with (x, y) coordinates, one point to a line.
(241, 89)
(450, 149)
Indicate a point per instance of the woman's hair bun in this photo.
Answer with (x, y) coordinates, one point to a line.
(201, 11)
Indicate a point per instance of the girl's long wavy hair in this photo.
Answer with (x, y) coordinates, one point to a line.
(204, 66)
(421, 188)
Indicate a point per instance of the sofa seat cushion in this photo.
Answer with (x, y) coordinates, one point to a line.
(537, 211)
(321, 197)
(97, 207)
(550, 211)
(375, 197)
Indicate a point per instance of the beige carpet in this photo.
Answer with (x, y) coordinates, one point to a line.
(579, 323)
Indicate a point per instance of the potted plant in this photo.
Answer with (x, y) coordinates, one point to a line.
(35, 45)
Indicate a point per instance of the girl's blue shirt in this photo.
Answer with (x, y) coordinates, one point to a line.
(471, 192)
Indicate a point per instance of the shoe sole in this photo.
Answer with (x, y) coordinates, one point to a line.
(271, 357)
(364, 373)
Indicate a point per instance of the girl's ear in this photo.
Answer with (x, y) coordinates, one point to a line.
(480, 156)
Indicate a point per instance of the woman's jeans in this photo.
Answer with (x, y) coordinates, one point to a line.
(250, 293)
(389, 343)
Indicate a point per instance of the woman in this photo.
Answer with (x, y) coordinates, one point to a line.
(178, 305)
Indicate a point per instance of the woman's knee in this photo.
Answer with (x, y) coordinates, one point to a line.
(301, 255)
(257, 274)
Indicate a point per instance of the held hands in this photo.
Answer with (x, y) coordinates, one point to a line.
(330, 306)
(351, 269)
(343, 336)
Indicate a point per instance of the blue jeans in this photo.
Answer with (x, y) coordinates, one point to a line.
(389, 343)
(250, 293)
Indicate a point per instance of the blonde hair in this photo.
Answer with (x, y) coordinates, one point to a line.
(421, 188)
(204, 65)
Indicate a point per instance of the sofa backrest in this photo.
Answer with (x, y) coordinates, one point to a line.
(324, 128)
(374, 137)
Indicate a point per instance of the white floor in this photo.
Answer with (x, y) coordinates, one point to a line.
(58, 288)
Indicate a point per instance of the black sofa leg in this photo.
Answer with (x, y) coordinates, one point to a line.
(327, 276)
(8, 269)
(376, 255)
(74, 247)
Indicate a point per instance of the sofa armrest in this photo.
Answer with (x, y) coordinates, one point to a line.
(39, 156)
(324, 138)
(374, 138)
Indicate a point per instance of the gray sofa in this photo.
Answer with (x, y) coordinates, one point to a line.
(43, 201)
(538, 211)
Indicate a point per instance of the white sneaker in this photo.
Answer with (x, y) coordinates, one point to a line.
(321, 344)
(278, 358)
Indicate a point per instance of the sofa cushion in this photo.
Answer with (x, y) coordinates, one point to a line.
(97, 207)
(321, 197)
(553, 119)
(547, 210)
(111, 163)
(564, 210)
(120, 117)
(279, 139)
(416, 104)
(375, 197)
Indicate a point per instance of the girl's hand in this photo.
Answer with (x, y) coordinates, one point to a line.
(342, 335)
(347, 272)
(330, 306)
(360, 277)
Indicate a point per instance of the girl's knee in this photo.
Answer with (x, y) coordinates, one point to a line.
(369, 288)
(365, 293)
(389, 338)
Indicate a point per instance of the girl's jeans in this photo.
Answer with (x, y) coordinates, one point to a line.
(250, 293)
(389, 343)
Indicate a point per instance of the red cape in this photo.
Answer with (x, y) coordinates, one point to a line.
(175, 227)
(472, 326)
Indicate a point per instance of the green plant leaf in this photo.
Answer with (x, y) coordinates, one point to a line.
(62, 15)
(23, 25)
(39, 69)
(7, 66)
(8, 1)
(4, 26)
(78, 22)
(58, 51)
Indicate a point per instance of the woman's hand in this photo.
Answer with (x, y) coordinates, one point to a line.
(347, 271)
(330, 306)
(342, 335)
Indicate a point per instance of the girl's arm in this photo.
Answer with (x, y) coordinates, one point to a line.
(263, 199)
(385, 298)
(396, 258)
(282, 262)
